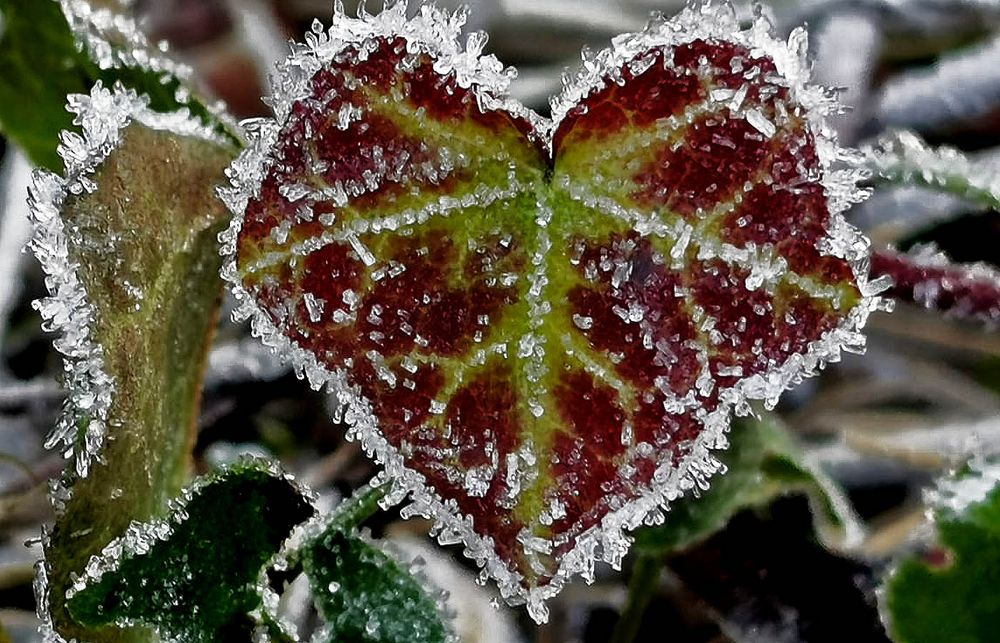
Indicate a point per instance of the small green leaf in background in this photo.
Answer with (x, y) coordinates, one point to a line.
(364, 594)
(763, 463)
(4, 638)
(42, 64)
(951, 595)
(193, 578)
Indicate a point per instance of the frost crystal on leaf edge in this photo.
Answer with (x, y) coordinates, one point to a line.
(436, 33)
(113, 40)
(140, 537)
(102, 116)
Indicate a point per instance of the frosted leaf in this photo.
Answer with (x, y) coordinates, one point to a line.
(102, 117)
(902, 157)
(129, 226)
(111, 38)
(364, 590)
(584, 302)
(953, 570)
(192, 576)
(926, 277)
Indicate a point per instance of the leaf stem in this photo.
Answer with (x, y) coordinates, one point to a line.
(903, 158)
(361, 506)
(928, 279)
(645, 576)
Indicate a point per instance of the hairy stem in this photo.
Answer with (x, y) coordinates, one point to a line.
(928, 279)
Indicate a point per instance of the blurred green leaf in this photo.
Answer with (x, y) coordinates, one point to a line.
(950, 593)
(763, 463)
(364, 594)
(42, 64)
(193, 578)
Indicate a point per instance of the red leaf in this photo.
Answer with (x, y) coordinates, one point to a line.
(543, 350)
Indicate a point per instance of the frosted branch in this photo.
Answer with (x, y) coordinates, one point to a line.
(903, 157)
(927, 278)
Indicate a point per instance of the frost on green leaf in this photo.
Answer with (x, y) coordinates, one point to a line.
(127, 239)
(903, 157)
(367, 595)
(762, 464)
(50, 49)
(192, 577)
(949, 593)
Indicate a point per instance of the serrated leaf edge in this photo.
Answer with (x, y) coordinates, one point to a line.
(608, 542)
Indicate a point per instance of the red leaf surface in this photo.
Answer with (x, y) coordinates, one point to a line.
(542, 328)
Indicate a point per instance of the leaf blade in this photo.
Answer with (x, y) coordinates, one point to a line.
(193, 577)
(948, 595)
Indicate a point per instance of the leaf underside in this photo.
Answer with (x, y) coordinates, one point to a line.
(198, 584)
(537, 334)
(143, 246)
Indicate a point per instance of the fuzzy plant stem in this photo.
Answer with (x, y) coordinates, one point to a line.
(645, 578)
(927, 279)
(361, 506)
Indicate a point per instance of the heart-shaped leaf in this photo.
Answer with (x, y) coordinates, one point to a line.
(193, 577)
(540, 327)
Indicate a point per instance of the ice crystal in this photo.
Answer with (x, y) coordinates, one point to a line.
(542, 327)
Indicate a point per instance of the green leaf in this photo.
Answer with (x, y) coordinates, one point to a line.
(763, 463)
(904, 158)
(193, 577)
(41, 66)
(44, 59)
(4, 637)
(950, 594)
(365, 594)
(132, 268)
